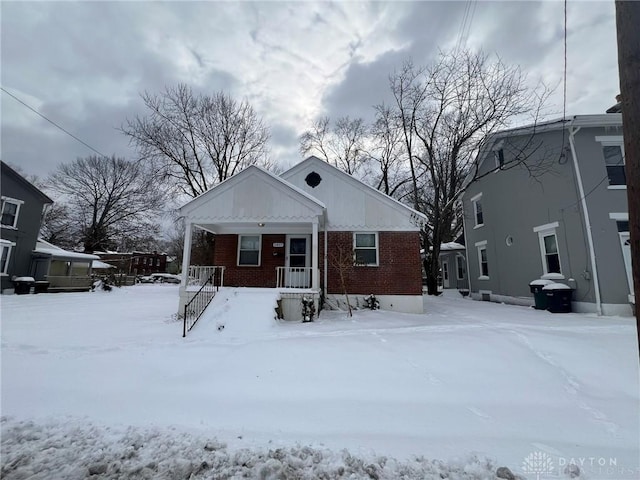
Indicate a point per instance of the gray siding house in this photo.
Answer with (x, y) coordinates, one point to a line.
(562, 213)
(22, 207)
(453, 266)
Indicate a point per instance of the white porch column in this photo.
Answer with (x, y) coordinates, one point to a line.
(186, 255)
(315, 278)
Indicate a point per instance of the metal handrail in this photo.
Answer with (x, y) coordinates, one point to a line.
(197, 305)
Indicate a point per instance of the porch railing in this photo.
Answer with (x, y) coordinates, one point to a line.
(197, 305)
(198, 275)
(293, 277)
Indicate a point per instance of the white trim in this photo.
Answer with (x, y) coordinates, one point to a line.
(460, 258)
(9, 246)
(479, 247)
(624, 217)
(617, 187)
(587, 221)
(547, 232)
(18, 204)
(259, 250)
(12, 200)
(613, 139)
(377, 249)
(546, 226)
(475, 197)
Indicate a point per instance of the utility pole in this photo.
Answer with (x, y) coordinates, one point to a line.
(627, 21)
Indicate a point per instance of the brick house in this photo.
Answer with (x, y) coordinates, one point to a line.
(136, 263)
(306, 230)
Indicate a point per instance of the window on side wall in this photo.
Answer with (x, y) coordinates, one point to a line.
(478, 216)
(365, 248)
(249, 250)
(460, 267)
(4, 258)
(613, 154)
(483, 263)
(10, 211)
(549, 248)
(614, 161)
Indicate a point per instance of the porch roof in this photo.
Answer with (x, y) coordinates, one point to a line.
(251, 199)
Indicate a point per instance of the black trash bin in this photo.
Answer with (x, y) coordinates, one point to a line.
(539, 296)
(558, 297)
(41, 287)
(22, 285)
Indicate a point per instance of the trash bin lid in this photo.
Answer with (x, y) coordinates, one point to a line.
(556, 286)
(541, 281)
(24, 279)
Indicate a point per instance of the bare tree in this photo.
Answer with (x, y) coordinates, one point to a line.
(58, 227)
(196, 141)
(112, 200)
(341, 259)
(343, 145)
(447, 110)
(388, 153)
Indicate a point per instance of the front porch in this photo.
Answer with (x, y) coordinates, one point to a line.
(292, 284)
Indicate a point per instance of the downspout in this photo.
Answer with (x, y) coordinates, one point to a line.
(585, 212)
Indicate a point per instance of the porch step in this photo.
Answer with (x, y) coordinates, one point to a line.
(239, 312)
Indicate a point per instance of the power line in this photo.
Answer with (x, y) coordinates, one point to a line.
(52, 122)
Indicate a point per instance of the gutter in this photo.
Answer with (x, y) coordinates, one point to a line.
(585, 211)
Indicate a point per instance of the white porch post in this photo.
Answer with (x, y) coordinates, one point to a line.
(186, 255)
(315, 278)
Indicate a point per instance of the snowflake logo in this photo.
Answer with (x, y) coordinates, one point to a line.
(538, 463)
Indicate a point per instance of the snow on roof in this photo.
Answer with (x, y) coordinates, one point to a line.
(42, 246)
(451, 246)
(100, 265)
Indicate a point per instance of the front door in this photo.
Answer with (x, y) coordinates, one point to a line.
(625, 242)
(298, 262)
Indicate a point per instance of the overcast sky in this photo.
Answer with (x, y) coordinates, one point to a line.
(83, 65)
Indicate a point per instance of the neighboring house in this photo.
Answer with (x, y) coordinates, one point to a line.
(307, 229)
(62, 270)
(136, 263)
(22, 208)
(453, 266)
(563, 214)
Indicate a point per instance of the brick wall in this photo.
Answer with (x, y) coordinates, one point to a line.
(398, 273)
(226, 254)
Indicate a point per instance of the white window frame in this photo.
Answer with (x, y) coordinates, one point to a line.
(613, 141)
(475, 200)
(17, 203)
(460, 261)
(9, 246)
(376, 248)
(479, 247)
(259, 250)
(546, 230)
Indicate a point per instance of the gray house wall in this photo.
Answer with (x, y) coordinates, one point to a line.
(514, 203)
(25, 235)
(601, 202)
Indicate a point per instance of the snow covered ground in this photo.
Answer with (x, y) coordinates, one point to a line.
(103, 383)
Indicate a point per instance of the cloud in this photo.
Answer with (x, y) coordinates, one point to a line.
(84, 64)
